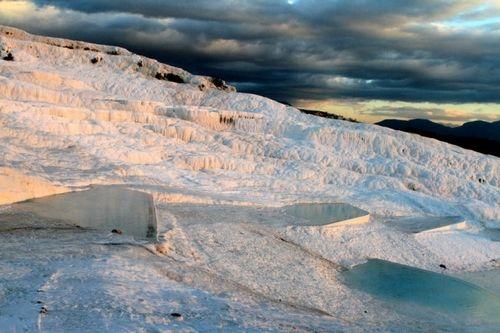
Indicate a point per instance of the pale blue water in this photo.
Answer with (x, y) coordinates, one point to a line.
(414, 224)
(488, 279)
(323, 213)
(493, 234)
(100, 208)
(413, 291)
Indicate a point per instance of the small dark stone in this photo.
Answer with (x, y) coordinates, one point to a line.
(218, 82)
(94, 60)
(114, 52)
(412, 186)
(38, 302)
(9, 57)
(116, 231)
(169, 77)
(442, 266)
(139, 63)
(86, 48)
(176, 314)
(151, 231)
(174, 78)
(44, 310)
(366, 311)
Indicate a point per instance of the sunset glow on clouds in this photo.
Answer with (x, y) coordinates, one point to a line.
(365, 59)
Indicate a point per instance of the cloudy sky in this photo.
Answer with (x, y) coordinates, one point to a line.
(436, 59)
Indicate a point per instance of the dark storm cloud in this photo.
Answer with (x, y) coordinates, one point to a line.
(430, 50)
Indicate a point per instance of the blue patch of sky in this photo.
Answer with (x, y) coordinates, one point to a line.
(483, 16)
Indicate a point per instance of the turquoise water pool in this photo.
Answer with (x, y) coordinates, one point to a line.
(103, 208)
(323, 213)
(411, 290)
(415, 224)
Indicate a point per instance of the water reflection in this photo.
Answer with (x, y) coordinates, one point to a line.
(406, 288)
(324, 213)
(415, 224)
(104, 208)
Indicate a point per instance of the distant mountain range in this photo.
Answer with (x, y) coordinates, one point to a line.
(480, 136)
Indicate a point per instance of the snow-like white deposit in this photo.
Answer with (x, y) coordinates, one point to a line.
(218, 164)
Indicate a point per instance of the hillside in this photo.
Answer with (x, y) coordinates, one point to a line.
(481, 136)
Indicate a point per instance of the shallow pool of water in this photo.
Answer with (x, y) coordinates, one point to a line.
(312, 214)
(414, 224)
(493, 234)
(100, 208)
(489, 279)
(406, 289)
